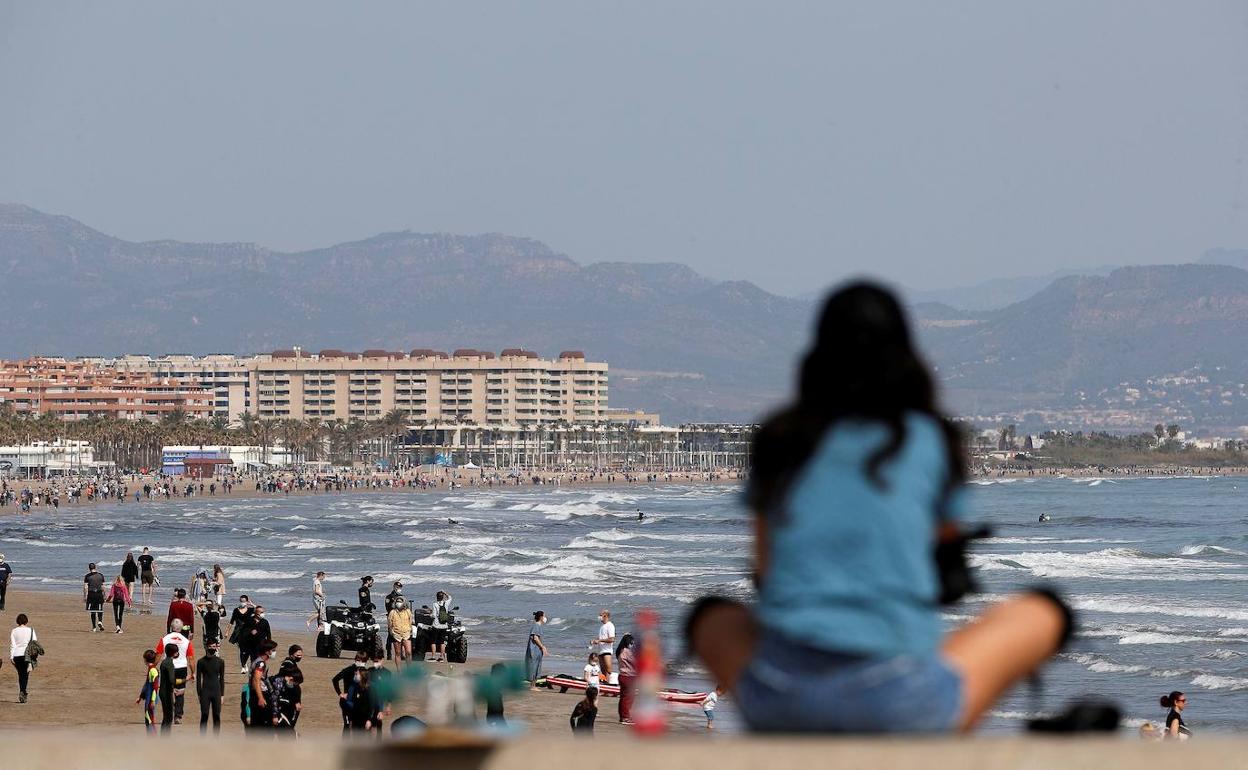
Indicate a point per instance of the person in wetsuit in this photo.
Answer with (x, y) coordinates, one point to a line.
(210, 687)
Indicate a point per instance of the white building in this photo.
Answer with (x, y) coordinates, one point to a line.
(49, 458)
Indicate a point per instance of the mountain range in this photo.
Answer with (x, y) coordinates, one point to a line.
(677, 342)
(1120, 348)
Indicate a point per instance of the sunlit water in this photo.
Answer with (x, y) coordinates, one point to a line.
(1157, 566)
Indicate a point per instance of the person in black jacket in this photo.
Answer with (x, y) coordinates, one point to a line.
(343, 681)
(210, 686)
(366, 594)
(258, 634)
(130, 573)
(240, 622)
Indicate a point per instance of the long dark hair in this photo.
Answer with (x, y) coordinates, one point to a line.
(1168, 701)
(626, 643)
(862, 365)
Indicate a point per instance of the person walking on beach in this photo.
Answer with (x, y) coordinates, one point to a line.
(182, 610)
(853, 486)
(318, 600)
(1176, 728)
(147, 573)
(209, 621)
(585, 713)
(708, 706)
(535, 650)
(166, 675)
(261, 705)
(218, 587)
(93, 595)
(210, 687)
(130, 573)
(259, 632)
(184, 656)
(240, 624)
(343, 681)
(150, 691)
(605, 643)
(626, 658)
(119, 596)
(439, 626)
(20, 639)
(6, 572)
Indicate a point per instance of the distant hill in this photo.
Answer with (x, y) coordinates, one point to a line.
(677, 341)
(1142, 343)
(1120, 351)
(995, 293)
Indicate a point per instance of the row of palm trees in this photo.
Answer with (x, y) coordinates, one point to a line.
(138, 444)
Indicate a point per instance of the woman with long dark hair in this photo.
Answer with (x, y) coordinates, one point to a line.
(1176, 728)
(854, 487)
(626, 657)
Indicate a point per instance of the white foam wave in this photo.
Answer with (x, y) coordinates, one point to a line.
(1111, 564)
(435, 561)
(1201, 550)
(1212, 682)
(1129, 605)
(260, 574)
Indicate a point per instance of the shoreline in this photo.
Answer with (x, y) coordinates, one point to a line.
(245, 489)
(1116, 472)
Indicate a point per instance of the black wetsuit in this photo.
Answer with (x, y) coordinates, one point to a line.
(167, 674)
(210, 685)
(343, 681)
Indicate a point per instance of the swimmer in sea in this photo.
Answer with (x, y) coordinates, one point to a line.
(640, 516)
(1044, 517)
(451, 521)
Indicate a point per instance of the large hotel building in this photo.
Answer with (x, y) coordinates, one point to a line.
(514, 387)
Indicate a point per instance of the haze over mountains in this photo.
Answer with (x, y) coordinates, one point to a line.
(1121, 349)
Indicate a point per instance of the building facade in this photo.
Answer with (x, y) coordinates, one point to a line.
(514, 387)
(80, 390)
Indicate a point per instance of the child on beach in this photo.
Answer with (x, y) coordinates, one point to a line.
(708, 706)
(148, 693)
(593, 672)
(584, 714)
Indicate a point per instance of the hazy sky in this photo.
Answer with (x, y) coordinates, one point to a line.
(787, 143)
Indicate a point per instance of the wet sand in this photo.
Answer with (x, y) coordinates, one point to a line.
(93, 678)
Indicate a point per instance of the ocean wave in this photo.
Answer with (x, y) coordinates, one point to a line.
(1203, 550)
(1128, 605)
(1213, 682)
(1111, 564)
(435, 561)
(260, 574)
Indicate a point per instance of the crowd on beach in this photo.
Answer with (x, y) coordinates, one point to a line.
(29, 494)
(272, 696)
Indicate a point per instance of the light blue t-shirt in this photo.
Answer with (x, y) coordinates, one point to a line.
(851, 565)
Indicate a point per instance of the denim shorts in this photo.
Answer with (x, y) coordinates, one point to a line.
(789, 687)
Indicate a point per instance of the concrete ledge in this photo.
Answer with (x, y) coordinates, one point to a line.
(56, 750)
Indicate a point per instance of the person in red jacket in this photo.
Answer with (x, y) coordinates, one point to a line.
(183, 610)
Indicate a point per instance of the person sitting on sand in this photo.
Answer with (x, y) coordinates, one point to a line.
(854, 486)
(585, 713)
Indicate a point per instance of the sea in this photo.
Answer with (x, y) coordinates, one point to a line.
(1157, 568)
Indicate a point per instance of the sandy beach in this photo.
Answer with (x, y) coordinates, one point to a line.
(92, 679)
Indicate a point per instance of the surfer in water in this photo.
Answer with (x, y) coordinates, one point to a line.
(1045, 518)
(641, 516)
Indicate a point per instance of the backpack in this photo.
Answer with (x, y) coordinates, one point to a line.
(444, 615)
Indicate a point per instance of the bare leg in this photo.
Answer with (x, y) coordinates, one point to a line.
(999, 648)
(723, 637)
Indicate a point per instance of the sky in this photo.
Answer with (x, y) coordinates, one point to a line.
(792, 144)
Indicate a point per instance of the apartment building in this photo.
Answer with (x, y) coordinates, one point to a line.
(515, 387)
(79, 390)
(227, 376)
